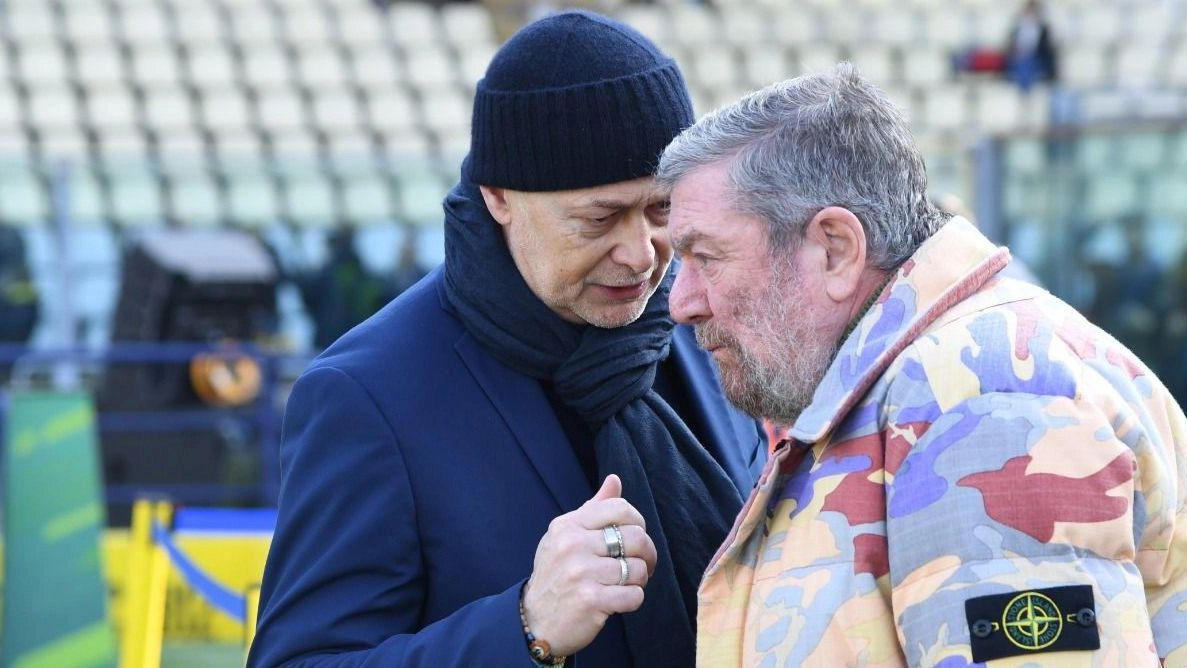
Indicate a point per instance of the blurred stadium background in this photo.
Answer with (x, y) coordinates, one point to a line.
(176, 175)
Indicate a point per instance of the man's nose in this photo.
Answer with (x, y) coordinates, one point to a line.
(687, 302)
(635, 247)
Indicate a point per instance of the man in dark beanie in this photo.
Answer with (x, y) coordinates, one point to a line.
(521, 459)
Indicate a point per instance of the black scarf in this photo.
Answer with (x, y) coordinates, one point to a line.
(606, 375)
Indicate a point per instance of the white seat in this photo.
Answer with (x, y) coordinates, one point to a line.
(403, 144)
(817, 58)
(254, 27)
(1109, 196)
(1143, 151)
(694, 25)
(305, 26)
(795, 25)
(252, 200)
(87, 23)
(1176, 66)
(280, 111)
(321, 68)
(23, 196)
(878, 63)
(946, 28)
(337, 111)
(715, 67)
(1163, 104)
(167, 109)
(309, 201)
(895, 26)
(64, 143)
(413, 26)
(14, 145)
(1151, 23)
(136, 197)
(468, 23)
(420, 196)
(195, 201)
(155, 65)
(472, 64)
(99, 65)
(999, 107)
(843, 25)
(200, 25)
(745, 25)
(112, 108)
(367, 199)
(266, 68)
(946, 109)
(43, 64)
(116, 146)
(88, 204)
(31, 22)
(53, 108)
(144, 23)
(926, 67)
(1085, 66)
(1105, 105)
(990, 25)
(377, 68)
(763, 64)
(1138, 65)
(349, 151)
(11, 115)
(1099, 26)
(1167, 195)
(225, 109)
(446, 110)
(360, 26)
(430, 69)
(210, 66)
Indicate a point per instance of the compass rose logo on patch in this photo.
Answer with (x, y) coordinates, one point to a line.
(1032, 621)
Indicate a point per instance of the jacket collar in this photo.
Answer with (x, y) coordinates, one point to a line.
(952, 264)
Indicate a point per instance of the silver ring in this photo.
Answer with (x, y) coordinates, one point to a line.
(613, 538)
(624, 571)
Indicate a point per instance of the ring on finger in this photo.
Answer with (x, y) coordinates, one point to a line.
(624, 571)
(613, 538)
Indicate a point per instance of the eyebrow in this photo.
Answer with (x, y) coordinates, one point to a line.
(686, 240)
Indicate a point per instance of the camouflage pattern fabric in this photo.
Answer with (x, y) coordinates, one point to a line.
(974, 436)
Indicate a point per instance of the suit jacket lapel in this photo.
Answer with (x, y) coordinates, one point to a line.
(526, 411)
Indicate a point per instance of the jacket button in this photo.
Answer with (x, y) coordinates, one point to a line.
(982, 628)
(1086, 617)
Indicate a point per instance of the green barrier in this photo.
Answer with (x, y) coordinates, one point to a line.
(55, 602)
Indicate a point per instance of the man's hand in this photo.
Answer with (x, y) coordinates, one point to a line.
(574, 584)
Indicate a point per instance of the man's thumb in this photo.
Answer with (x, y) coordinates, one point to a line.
(611, 488)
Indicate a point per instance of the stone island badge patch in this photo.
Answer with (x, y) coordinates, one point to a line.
(1033, 621)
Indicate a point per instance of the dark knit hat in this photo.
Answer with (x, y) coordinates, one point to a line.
(574, 100)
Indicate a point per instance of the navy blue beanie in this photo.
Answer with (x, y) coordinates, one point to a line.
(574, 100)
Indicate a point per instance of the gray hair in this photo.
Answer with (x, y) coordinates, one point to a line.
(819, 140)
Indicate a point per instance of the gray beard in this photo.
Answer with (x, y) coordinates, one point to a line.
(781, 384)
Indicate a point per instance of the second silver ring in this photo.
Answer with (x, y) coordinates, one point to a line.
(624, 571)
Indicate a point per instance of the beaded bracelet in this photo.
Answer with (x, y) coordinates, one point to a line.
(539, 648)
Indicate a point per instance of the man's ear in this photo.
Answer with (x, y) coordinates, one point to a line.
(842, 237)
(496, 203)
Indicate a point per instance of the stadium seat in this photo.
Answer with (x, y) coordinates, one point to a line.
(368, 199)
(744, 25)
(136, 196)
(86, 24)
(468, 25)
(31, 22)
(764, 64)
(877, 61)
(309, 201)
(194, 200)
(24, 199)
(413, 26)
(144, 23)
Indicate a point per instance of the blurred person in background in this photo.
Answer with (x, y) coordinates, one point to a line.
(523, 444)
(1128, 299)
(409, 268)
(976, 472)
(20, 301)
(343, 292)
(1030, 51)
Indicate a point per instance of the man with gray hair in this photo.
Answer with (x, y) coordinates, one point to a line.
(974, 471)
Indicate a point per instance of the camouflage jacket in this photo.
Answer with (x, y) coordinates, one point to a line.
(981, 472)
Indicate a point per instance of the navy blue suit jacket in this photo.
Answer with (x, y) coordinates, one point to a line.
(418, 476)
